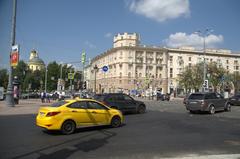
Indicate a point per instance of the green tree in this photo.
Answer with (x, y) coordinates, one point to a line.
(20, 71)
(191, 77)
(52, 75)
(197, 76)
(3, 78)
(186, 79)
(27, 83)
(235, 79)
(216, 72)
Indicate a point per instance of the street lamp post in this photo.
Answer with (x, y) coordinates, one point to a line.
(9, 94)
(204, 34)
(95, 77)
(46, 79)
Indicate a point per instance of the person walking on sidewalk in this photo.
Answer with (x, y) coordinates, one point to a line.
(43, 97)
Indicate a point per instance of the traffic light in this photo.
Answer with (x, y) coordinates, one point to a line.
(84, 85)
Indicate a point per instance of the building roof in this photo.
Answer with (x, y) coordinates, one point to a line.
(36, 60)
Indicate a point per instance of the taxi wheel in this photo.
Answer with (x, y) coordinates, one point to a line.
(68, 127)
(115, 122)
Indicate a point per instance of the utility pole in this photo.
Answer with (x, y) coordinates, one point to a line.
(9, 94)
(95, 68)
(46, 72)
(204, 34)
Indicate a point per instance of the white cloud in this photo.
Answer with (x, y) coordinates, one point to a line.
(108, 35)
(160, 10)
(182, 39)
(90, 45)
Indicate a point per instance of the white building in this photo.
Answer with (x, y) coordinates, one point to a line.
(134, 66)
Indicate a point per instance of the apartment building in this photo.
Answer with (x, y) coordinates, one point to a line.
(132, 66)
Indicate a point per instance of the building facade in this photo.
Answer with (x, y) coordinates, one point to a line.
(132, 66)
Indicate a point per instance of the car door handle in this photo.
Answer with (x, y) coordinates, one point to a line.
(94, 112)
(74, 111)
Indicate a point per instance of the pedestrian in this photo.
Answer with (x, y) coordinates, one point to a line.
(42, 97)
(47, 97)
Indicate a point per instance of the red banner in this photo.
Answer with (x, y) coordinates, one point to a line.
(14, 56)
(14, 59)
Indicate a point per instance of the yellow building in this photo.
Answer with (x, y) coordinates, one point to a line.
(35, 63)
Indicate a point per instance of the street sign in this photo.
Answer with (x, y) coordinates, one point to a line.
(71, 76)
(105, 68)
(83, 57)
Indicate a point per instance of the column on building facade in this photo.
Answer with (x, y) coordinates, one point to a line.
(144, 67)
(165, 73)
(155, 82)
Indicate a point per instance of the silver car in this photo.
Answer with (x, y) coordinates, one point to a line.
(207, 101)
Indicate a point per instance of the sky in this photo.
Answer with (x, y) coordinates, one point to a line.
(60, 30)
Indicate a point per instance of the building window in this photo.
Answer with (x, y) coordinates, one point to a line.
(227, 67)
(189, 58)
(129, 74)
(140, 74)
(120, 74)
(120, 66)
(171, 72)
(189, 65)
(129, 66)
(227, 62)
(171, 59)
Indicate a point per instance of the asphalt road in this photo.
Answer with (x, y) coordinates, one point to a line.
(167, 130)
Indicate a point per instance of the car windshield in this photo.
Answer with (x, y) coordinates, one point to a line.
(196, 96)
(58, 104)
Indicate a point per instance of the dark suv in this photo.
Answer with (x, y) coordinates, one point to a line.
(121, 102)
(208, 101)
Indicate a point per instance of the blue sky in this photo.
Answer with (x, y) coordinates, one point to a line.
(61, 29)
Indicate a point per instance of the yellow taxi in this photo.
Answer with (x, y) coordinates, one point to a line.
(67, 115)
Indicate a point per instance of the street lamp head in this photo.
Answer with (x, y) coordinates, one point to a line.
(95, 67)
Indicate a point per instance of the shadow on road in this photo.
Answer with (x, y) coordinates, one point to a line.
(85, 146)
(99, 137)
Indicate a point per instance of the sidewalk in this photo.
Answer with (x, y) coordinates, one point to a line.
(25, 106)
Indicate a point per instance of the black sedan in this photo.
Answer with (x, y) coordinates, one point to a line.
(122, 102)
(235, 100)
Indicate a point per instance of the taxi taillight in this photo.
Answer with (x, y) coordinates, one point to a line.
(52, 114)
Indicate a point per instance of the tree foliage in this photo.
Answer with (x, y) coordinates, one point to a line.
(235, 78)
(192, 77)
(3, 78)
(216, 72)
